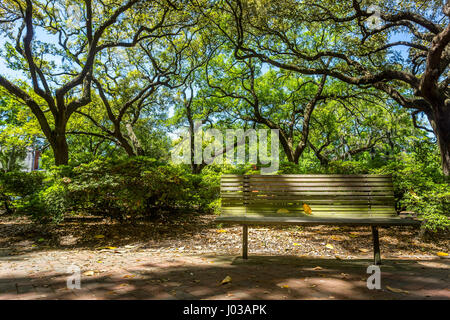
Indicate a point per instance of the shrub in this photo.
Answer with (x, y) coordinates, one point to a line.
(125, 189)
(21, 184)
(17, 188)
(420, 188)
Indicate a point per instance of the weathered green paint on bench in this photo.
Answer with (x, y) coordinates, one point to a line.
(360, 200)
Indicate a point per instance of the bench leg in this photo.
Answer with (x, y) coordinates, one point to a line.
(376, 246)
(245, 242)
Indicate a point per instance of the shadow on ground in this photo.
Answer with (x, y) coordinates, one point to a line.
(260, 277)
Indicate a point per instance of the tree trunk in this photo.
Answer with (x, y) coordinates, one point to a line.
(134, 140)
(439, 119)
(125, 145)
(60, 149)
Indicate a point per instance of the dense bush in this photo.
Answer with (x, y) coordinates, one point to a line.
(21, 184)
(134, 187)
(18, 188)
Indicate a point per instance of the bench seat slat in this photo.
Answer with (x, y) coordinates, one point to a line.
(321, 221)
(287, 176)
(297, 195)
(289, 185)
(311, 200)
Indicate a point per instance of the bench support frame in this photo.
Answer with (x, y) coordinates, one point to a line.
(376, 246)
(244, 242)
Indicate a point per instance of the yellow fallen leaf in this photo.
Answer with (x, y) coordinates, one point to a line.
(336, 238)
(329, 246)
(128, 276)
(317, 268)
(99, 236)
(396, 290)
(307, 209)
(297, 244)
(222, 230)
(363, 250)
(282, 211)
(89, 273)
(110, 248)
(442, 254)
(285, 286)
(226, 280)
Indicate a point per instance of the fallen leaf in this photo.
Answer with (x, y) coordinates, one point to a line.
(363, 250)
(226, 280)
(222, 230)
(307, 209)
(99, 236)
(442, 254)
(297, 244)
(285, 286)
(317, 268)
(396, 290)
(89, 273)
(282, 211)
(329, 246)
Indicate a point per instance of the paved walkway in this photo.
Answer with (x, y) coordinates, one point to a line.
(145, 274)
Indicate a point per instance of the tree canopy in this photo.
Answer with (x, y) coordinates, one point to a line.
(338, 80)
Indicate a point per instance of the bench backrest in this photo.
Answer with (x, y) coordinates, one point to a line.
(326, 195)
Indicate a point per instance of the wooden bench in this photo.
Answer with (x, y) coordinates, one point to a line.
(355, 200)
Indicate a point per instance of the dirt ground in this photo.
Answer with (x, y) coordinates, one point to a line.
(189, 256)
